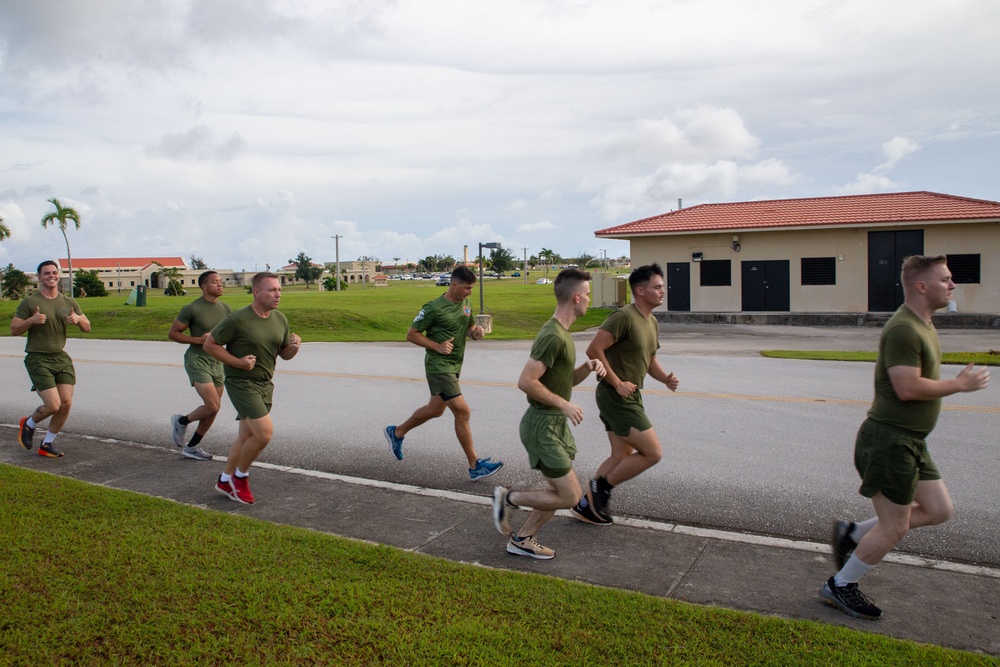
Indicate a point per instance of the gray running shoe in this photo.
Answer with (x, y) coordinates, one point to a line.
(196, 453)
(177, 430)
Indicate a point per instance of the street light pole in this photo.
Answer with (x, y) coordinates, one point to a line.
(336, 240)
(119, 265)
(481, 246)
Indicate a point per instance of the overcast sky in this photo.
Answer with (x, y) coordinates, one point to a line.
(245, 132)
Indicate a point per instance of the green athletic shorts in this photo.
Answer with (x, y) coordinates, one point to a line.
(203, 369)
(619, 414)
(251, 398)
(549, 442)
(48, 370)
(892, 462)
(444, 385)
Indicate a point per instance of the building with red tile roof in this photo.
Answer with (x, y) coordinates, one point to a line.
(821, 254)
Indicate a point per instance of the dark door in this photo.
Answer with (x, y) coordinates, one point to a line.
(765, 285)
(886, 252)
(679, 286)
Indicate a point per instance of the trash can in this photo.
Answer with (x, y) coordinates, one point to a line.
(140, 296)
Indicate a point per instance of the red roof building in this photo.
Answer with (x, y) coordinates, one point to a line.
(822, 254)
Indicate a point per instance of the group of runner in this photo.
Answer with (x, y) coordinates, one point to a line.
(236, 352)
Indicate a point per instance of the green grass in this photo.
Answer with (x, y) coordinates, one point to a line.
(991, 358)
(371, 314)
(97, 576)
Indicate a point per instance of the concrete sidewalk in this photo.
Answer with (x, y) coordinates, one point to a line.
(934, 602)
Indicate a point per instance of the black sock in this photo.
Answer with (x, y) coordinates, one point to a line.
(195, 439)
(603, 485)
(184, 421)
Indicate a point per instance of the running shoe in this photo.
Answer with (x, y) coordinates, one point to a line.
(227, 489)
(484, 468)
(177, 430)
(26, 434)
(196, 453)
(503, 510)
(49, 449)
(394, 442)
(584, 511)
(528, 546)
(850, 600)
(242, 485)
(843, 544)
(600, 500)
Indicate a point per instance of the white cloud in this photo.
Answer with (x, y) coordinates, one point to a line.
(541, 226)
(877, 180)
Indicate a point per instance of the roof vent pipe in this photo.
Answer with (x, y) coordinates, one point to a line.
(680, 203)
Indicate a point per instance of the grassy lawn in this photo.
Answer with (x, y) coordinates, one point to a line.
(134, 580)
(991, 358)
(356, 314)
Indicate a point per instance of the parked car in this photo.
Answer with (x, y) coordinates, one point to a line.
(443, 281)
(516, 274)
(543, 281)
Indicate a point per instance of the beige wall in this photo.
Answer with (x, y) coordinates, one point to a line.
(849, 246)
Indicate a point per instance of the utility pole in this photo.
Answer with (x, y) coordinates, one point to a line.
(336, 240)
(524, 266)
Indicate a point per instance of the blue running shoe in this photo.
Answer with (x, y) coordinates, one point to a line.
(394, 442)
(484, 468)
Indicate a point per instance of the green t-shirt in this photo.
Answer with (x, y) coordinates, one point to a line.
(50, 337)
(440, 320)
(554, 347)
(244, 332)
(635, 343)
(906, 341)
(201, 316)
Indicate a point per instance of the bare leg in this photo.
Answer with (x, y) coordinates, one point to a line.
(931, 505)
(65, 392)
(630, 456)
(205, 414)
(561, 494)
(463, 427)
(254, 436)
(433, 410)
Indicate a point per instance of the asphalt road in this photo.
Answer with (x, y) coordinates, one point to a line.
(751, 444)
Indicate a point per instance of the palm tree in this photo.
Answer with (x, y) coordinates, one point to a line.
(62, 215)
(4, 231)
(546, 255)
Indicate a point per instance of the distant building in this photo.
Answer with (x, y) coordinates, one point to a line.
(128, 272)
(824, 254)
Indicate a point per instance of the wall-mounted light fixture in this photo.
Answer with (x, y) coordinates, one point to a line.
(736, 242)
(696, 256)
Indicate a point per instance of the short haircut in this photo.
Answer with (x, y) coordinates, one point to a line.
(916, 266)
(203, 277)
(463, 274)
(641, 275)
(263, 275)
(48, 262)
(568, 283)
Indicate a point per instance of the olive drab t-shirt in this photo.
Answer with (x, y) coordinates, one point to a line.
(245, 332)
(201, 317)
(553, 347)
(635, 343)
(906, 341)
(48, 338)
(440, 320)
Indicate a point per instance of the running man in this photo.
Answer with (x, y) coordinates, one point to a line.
(45, 315)
(626, 344)
(890, 452)
(249, 342)
(204, 371)
(548, 379)
(441, 327)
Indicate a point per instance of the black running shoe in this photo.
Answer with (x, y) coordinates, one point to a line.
(850, 600)
(49, 449)
(584, 511)
(600, 500)
(26, 434)
(842, 542)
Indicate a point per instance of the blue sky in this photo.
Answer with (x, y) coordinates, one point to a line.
(245, 132)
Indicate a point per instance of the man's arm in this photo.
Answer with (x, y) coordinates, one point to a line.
(531, 384)
(476, 332)
(291, 349)
(417, 338)
(909, 385)
(19, 325)
(80, 320)
(657, 373)
(177, 334)
(602, 340)
(223, 355)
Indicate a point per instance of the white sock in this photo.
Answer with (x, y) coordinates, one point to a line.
(862, 527)
(30, 423)
(225, 478)
(241, 474)
(50, 437)
(853, 570)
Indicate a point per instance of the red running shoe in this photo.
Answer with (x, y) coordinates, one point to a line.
(242, 485)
